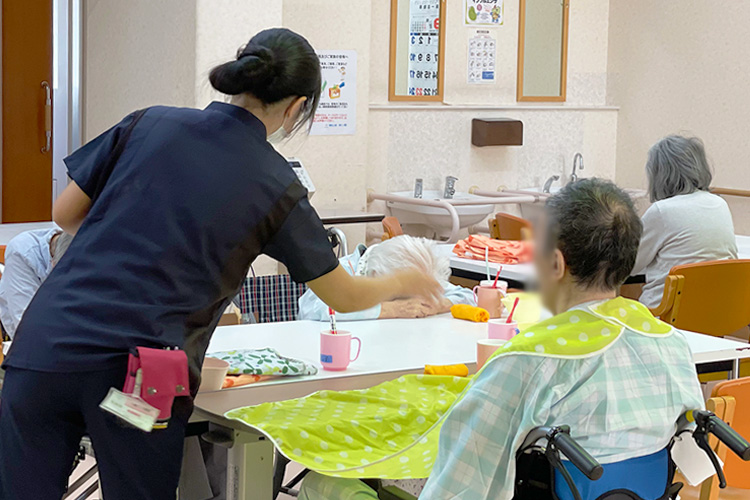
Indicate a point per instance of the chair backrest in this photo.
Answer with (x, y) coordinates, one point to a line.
(737, 471)
(708, 297)
(2, 254)
(647, 476)
(510, 227)
(271, 298)
(391, 228)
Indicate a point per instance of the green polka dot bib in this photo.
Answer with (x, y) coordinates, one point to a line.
(585, 332)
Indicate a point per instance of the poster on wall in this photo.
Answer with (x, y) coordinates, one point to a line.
(337, 111)
(481, 61)
(424, 38)
(483, 12)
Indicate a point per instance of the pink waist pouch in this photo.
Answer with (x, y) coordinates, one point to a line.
(165, 377)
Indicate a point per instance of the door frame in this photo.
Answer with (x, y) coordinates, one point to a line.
(67, 88)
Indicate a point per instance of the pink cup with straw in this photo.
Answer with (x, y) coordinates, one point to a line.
(336, 349)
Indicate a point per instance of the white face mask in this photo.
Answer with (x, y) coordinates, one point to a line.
(278, 136)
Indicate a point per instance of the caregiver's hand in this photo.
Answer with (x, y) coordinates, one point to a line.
(345, 293)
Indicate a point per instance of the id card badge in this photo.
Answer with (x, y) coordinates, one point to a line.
(130, 407)
(692, 461)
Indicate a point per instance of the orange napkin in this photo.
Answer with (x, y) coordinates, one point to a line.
(498, 251)
(454, 370)
(244, 379)
(470, 313)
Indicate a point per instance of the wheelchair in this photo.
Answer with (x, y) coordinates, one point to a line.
(541, 474)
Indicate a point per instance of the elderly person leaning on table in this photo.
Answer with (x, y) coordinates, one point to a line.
(401, 252)
(603, 364)
(686, 223)
(29, 258)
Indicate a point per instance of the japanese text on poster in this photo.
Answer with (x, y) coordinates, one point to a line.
(483, 12)
(337, 111)
(482, 52)
(424, 38)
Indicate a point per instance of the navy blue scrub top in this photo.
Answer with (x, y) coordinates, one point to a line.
(174, 225)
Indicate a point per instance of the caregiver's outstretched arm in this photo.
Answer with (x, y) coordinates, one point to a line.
(70, 208)
(345, 293)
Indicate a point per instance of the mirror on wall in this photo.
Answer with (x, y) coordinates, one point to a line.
(542, 50)
(417, 50)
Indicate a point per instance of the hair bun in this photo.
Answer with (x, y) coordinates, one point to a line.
(254, 71)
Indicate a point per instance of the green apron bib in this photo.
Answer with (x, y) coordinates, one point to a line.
(391, 430)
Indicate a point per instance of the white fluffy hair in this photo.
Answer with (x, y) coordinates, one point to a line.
(408, 252)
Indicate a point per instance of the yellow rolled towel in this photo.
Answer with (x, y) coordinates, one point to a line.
(450, 370)
(470, 313)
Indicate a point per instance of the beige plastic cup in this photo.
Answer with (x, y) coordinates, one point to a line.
(486, 348)
(212, 374)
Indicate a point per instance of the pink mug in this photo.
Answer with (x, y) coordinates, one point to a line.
(499, 329)
(485, 349)
(336, 349)
(491, 298)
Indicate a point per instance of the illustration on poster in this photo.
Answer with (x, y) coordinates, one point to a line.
(484, 12)
(336, 114)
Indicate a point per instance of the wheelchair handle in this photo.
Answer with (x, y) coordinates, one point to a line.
(716, 426)
(560, 437)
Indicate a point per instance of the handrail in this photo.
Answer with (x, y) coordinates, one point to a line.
(449, 206)
(508, 193)
(730, 192)
(424, 202)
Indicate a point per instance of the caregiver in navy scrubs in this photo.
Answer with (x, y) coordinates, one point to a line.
(170, 207)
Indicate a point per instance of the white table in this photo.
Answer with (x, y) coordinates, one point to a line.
(524, 273)
(390, 348)
(9, 231)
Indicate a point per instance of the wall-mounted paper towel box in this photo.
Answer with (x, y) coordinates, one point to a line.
(496, 132)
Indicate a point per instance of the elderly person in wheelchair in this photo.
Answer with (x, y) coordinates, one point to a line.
(603, 365)
(382, 258)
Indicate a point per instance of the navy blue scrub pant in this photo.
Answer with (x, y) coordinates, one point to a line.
(42, 419)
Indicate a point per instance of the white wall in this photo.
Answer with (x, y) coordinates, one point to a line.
(682, 66)
(137, 53)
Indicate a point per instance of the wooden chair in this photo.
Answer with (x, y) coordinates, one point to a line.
(707, 297)
(733, 398)
(2, 254)
(509, 227)
(391, 228)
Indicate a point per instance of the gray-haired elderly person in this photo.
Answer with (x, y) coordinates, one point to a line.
(29, 258)
(380, 259)
(685, 223)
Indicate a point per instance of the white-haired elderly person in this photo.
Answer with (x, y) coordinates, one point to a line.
(685, 223)
(396, 253)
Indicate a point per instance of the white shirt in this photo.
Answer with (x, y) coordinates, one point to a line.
(27, 263)
(684, 229)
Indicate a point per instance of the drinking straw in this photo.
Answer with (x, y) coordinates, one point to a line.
(332, 315)
(487, 262)
(515, 304)
(494, 285)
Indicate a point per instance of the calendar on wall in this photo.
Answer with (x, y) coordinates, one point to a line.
(424, 38)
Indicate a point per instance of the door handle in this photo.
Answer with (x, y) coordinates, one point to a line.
(47, 117)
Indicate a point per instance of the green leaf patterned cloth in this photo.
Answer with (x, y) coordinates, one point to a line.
(265, 361)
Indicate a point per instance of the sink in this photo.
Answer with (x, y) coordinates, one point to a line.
(530, 211)
(435, 222)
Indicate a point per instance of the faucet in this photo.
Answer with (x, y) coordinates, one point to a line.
(548, 183)
(450, 187)
(577, 162)
(418, 183)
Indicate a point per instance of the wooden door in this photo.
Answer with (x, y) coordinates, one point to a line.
(27, 62)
